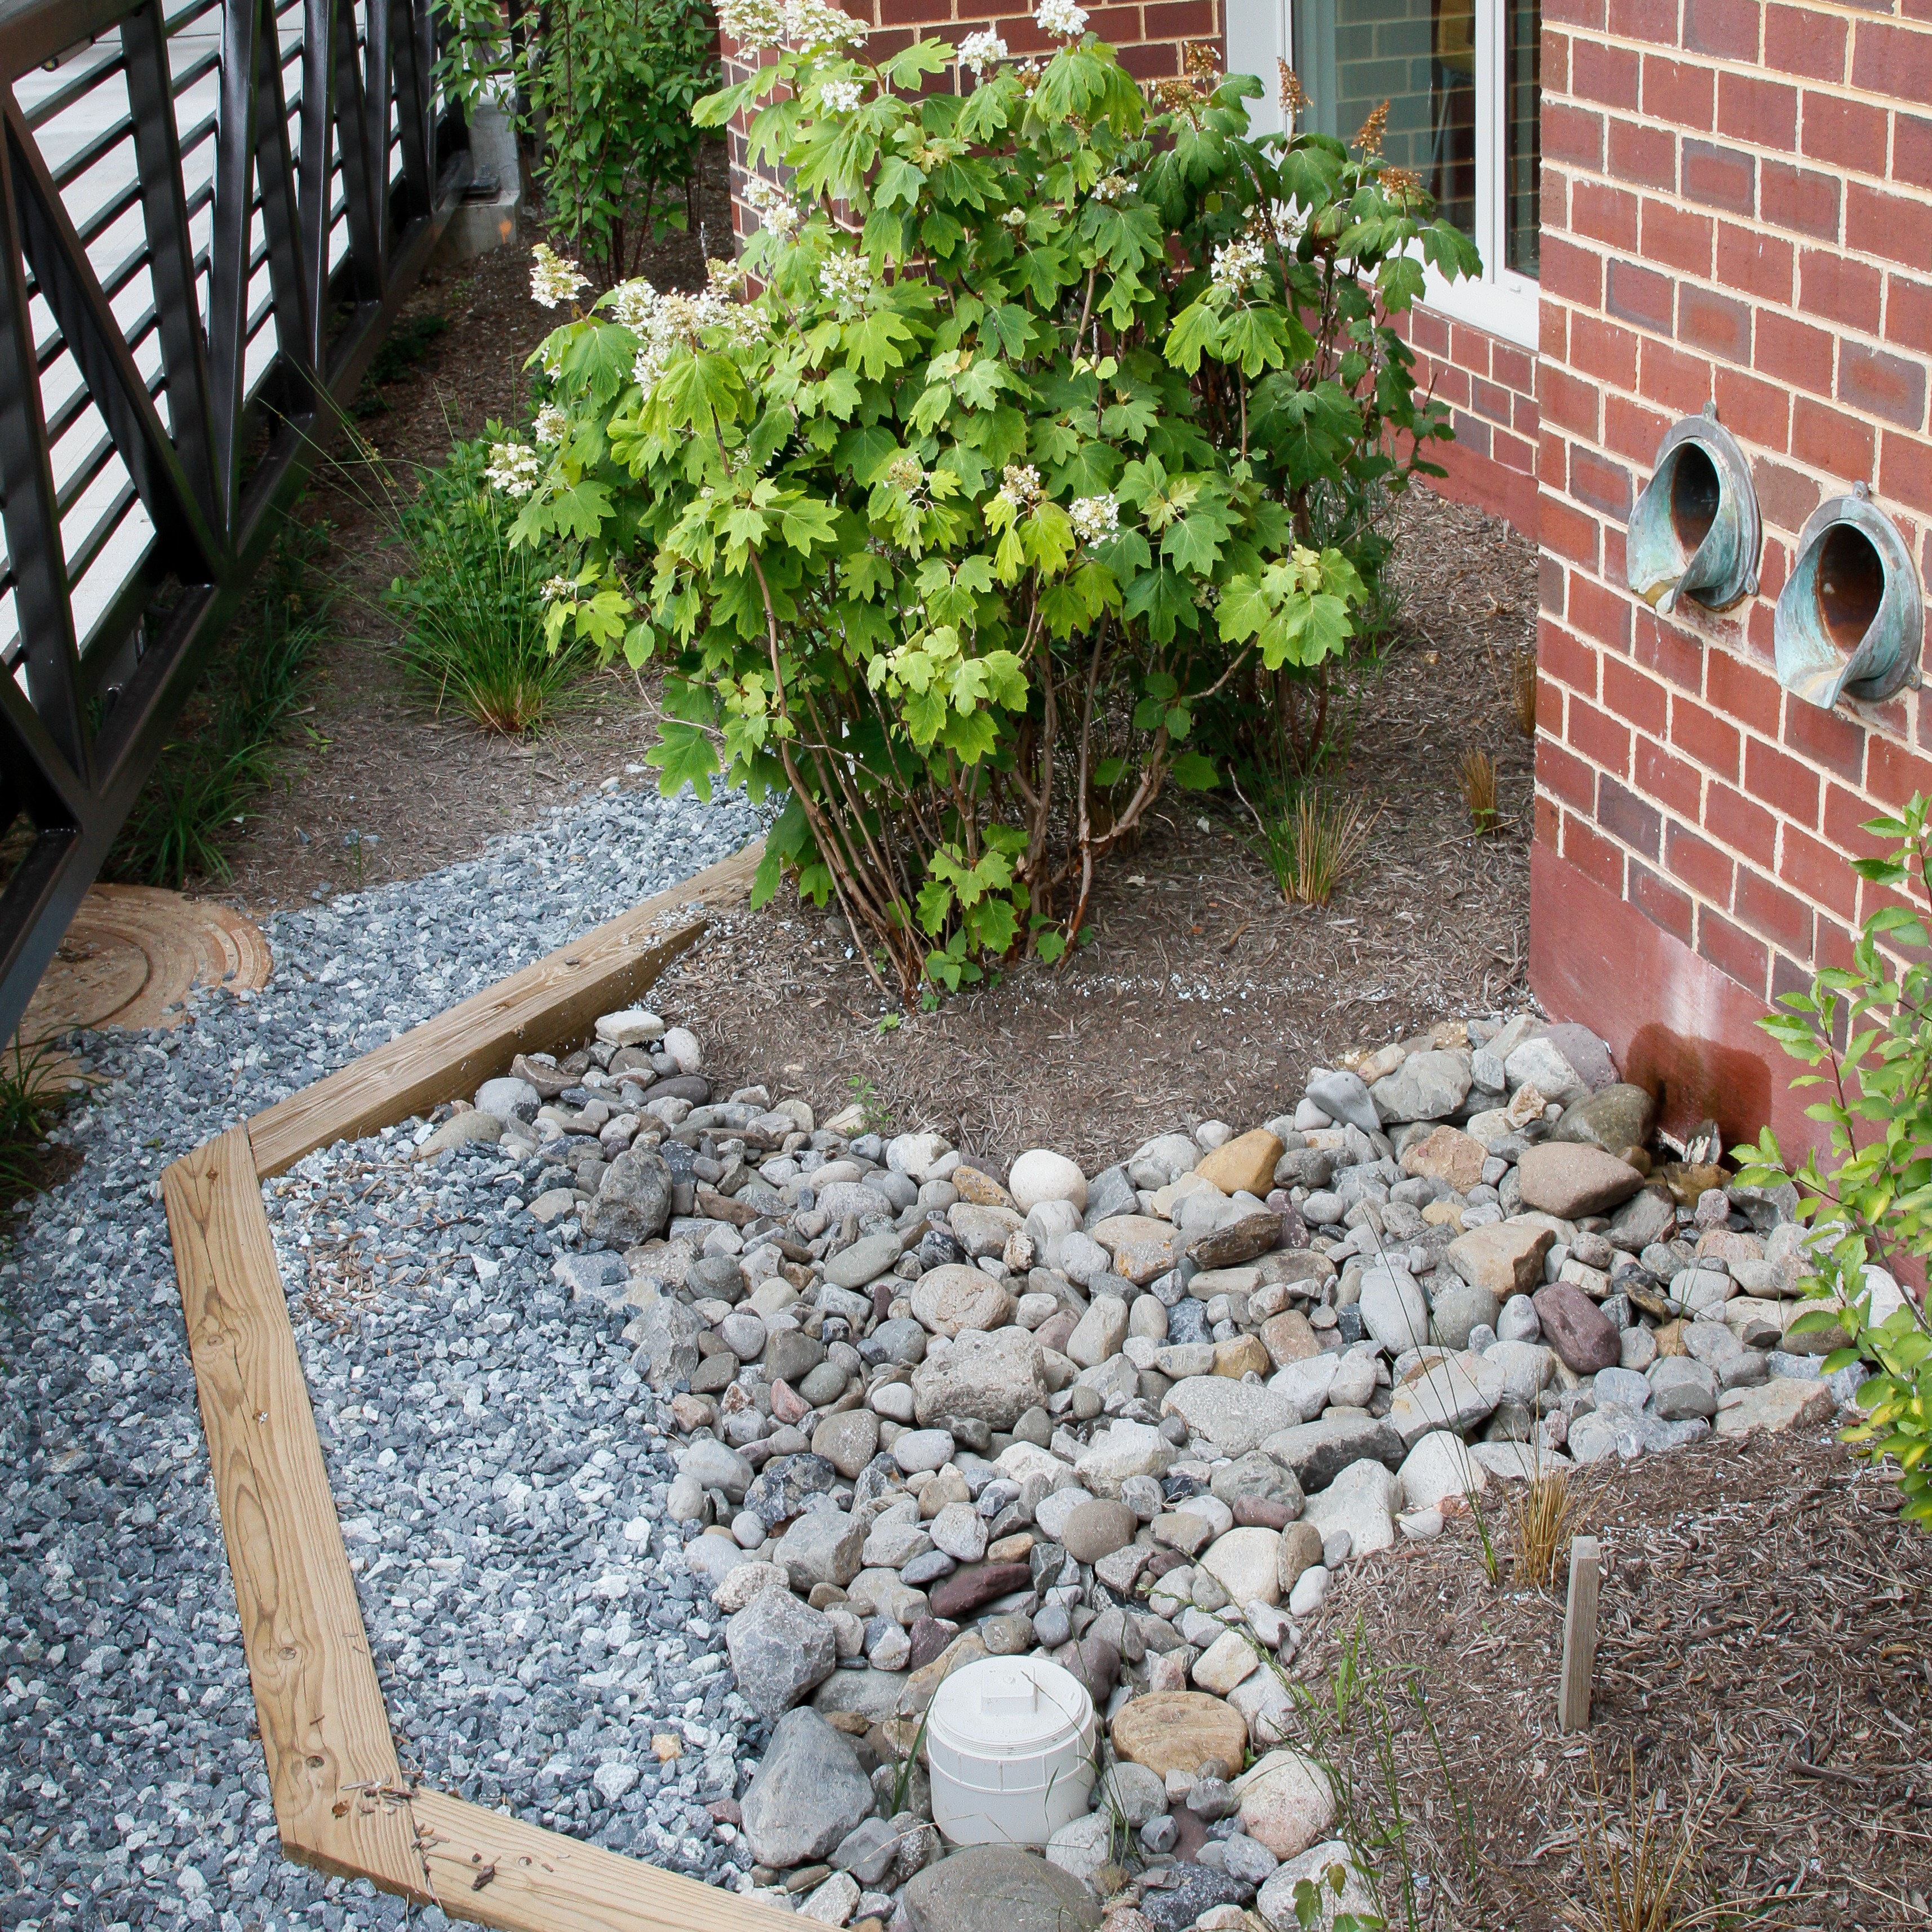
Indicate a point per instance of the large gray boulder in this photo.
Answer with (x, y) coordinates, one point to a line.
(633, 1201)
(807, 1795)
(779, 1649)
(994, 1376)
(999, 1888)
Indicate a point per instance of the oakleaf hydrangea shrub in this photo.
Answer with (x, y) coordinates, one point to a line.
(1867, 1193)
(1009, 465)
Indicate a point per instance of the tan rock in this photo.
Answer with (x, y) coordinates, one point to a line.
(1245, 1164)
(1301, 1550)
(1239, 1354)
(1246, 1563)
(1286, 1804)
(967, 1648)
(1568, 1178)
(1380, 1063)
(1288, 1338)
(1784, 1402)
(1506, 1257)
(1447, 1154)
(1225, 1663)
(1141, 1247)
(1177, 1730)
(981, 1189)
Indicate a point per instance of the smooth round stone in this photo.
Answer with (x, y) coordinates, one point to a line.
(1087, 1404)
(1040, 1174)
(920, 1449)
(928, 1568)
(1096, 1528)
(1034, 1425)
(824, 1385)
(743, 1333)
(1052, 1625)
(1008, 1636)
(1310, 1587)
(1623, 1386)
(748, 1529)
(1518, 1321)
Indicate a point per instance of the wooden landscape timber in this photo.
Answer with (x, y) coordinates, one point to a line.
(341, 1804)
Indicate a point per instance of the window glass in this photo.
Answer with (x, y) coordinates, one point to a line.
(1419, 56)
(1522, 142)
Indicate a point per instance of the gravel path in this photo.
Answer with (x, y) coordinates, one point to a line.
(494, 1476)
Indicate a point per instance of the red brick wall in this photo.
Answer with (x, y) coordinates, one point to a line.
(1735, 209)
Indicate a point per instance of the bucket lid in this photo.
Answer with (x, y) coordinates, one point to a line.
(1009, 1707)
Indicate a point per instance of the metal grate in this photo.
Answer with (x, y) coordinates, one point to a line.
(210, 212)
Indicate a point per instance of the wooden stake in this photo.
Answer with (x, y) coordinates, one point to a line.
(1579, 1636)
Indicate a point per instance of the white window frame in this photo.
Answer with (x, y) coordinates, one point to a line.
(1501, 302)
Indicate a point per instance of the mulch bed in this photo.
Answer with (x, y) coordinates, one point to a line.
(1763, 1665)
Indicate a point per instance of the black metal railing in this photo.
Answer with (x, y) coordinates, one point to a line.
(210, 212)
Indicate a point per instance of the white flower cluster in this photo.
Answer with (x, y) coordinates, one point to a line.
(840, 96)
(846, 279)
(812, 26)
(1061, 18)
(514, 468)
(775, 209)
(755, 25)
(1110, 188)
(1094, 518)
(551, 423)
(1236, 265)
(1014, 217)
(906, 473)
(559, 590)
(1019, 485)
(553, 279)
(665, 323)
(978, 52)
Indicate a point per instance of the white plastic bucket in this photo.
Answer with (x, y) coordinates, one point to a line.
(1010, 1741)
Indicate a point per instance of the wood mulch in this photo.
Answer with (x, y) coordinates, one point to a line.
(1762, 1669)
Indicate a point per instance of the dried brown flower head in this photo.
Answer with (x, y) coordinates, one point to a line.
(1403, 183)
(1173, 96)
(1292, 96)
(1200, 60)
(1369, 136)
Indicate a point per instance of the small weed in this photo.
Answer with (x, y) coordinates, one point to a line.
(1523, 692)
(1313, 845)
(222, 755)
(1476, 779)
(1543, 1516)
(1643, 1865)
(1485, 1543)
(877, 1115)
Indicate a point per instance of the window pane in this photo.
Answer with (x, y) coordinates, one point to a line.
(1419, 56)
(1522, 143)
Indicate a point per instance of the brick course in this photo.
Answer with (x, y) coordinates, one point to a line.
(1755, 232)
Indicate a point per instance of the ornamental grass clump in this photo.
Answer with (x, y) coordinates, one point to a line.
(1028, 444)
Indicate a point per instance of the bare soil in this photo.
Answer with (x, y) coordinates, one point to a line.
(371, 758)
(1763, 1674)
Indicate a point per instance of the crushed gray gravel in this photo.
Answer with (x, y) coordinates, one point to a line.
(497, 1479)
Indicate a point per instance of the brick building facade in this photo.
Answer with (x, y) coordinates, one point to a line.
(1736, 210)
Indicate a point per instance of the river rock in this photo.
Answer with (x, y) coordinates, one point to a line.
(998, 1888)
(1126, 1450)
(848, 1441)
(1427, 1086)
(1247, 1564)
(1505, 1257)
(1570, 1179)
(1342, 1096)
(780, 1648)
(807, 1795)
(1142, 1247)
(1099, 1333)
(1457, 1392)
(1096, 1527)
(1579, 1331)
(1193, 1895)
(993, 1377)
(1180, 1730)
(1042, 1175)
(1361, 1500)
(1457, 1309)
(1783, 1403)
(633, 1201)
(821, 1547)
(1285, 1802)
(1449, 1155)
(1354, 1901)
(1317, 1452)
(1232, 1415)
(1615, 1118)
(1440, 1464)
(865, 1261)
(1393, 1309)
(956, 1300)
(1243, 1166)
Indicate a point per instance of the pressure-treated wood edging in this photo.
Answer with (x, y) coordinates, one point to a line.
(341, 1801)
